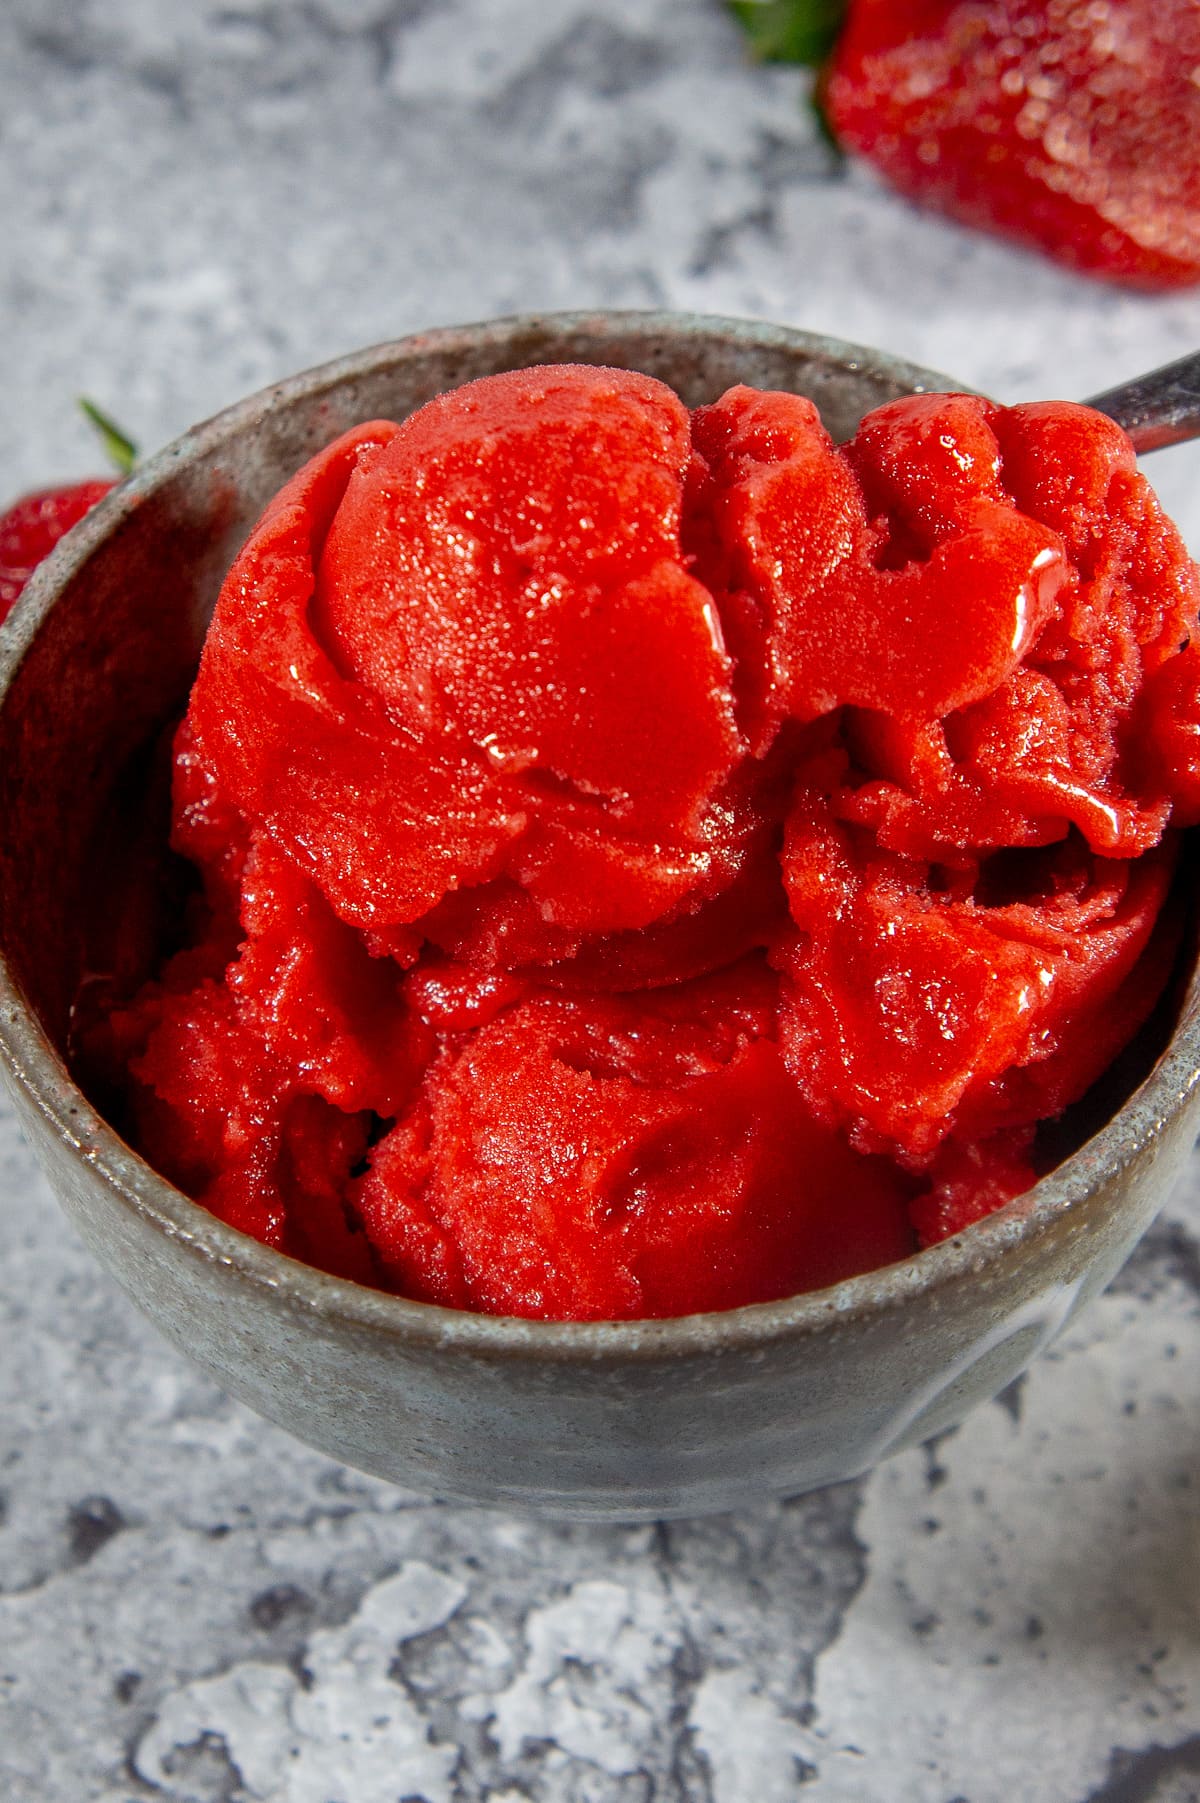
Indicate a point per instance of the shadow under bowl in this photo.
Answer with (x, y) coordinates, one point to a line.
(620, 1420)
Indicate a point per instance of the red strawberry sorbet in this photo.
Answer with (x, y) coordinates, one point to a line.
(657, 862)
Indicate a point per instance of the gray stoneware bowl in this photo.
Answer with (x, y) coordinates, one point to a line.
(629, 1419)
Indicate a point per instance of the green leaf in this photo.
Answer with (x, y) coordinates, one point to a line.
(119, 448)
(825, 129)
(790, 31)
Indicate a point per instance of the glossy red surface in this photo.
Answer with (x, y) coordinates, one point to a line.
(655, 863)
(33, 525)
(1071, 126)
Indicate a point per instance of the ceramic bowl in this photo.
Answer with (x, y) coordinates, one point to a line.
(627, 1420)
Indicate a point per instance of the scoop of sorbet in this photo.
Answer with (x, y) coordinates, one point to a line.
(658, 862)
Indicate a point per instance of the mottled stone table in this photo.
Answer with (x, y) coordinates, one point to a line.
(197, 198)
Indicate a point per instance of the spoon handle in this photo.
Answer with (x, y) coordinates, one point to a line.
(1157, 409)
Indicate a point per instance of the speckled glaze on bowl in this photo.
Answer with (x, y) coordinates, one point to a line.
(626, 1420)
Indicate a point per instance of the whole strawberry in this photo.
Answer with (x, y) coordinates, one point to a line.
(1071, 125)
(33, 525)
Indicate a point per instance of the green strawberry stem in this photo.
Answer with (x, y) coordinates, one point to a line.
(790, 31)
(119, 448)
(825, 129)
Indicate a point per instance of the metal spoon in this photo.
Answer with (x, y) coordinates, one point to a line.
(1157, 409)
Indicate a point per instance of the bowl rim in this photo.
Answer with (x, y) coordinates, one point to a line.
(35, 1067)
